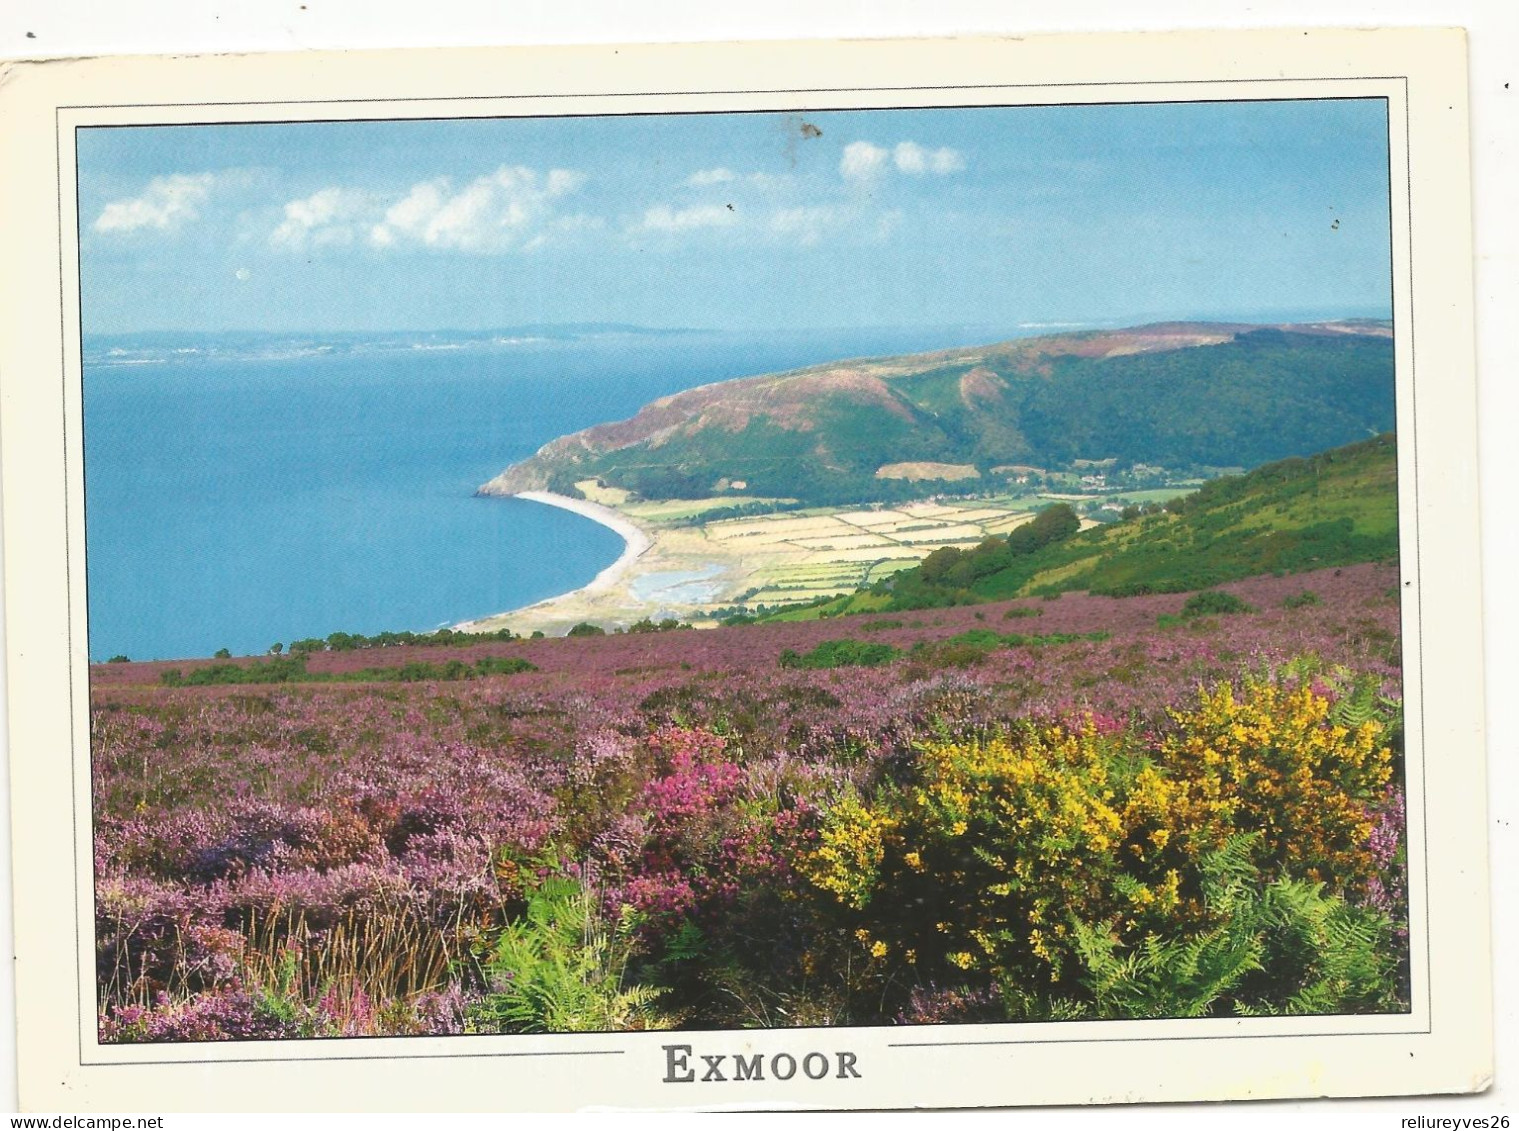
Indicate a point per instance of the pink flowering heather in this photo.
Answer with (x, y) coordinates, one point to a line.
(337, 859)
(1388, 889)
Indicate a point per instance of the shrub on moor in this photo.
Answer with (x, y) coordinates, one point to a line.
(990, 861)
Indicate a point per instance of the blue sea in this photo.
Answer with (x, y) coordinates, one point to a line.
(247, 489)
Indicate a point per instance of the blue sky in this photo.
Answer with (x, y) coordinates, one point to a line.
(849, 218)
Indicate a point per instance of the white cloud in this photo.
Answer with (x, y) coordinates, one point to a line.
(662, 218)
(798, 225)
(410, 214)
(703, 177)
(806, 224)
(945, 161)
(165, 203)
(862, 160)
(329, 216)
(511, 207)
(561, 181)
(911, 157)
(915, 159)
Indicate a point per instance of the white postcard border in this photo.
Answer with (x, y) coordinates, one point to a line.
(1322, 1055)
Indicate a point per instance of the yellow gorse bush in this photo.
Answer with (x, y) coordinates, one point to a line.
(847, 859)
(998, 847)
(1274, 762)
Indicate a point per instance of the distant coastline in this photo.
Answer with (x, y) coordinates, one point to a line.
(636, 542)
(436, 549)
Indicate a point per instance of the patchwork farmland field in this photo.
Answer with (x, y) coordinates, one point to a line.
(811, 553)
(702, 559)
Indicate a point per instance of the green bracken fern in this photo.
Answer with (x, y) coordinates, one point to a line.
(561, 968)
(1282, 948)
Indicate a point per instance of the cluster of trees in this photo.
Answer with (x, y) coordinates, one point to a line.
(562, 482)
(292, 669)
(841, 654)
(353, 641)
(669, 624)
(946, 575)
(739, 510)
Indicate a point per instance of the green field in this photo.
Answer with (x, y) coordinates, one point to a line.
(1337, 508)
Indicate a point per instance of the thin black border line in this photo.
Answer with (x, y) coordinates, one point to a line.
(1413, 407)
(1159, 1020)
(308, 1059)
(715, 93)
(68, 570)
(845, 109)
(808, 109)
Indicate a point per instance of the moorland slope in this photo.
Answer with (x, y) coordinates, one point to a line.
(1173, 395)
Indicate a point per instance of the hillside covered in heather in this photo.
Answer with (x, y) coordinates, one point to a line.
(1179, 396)
(1015, 806)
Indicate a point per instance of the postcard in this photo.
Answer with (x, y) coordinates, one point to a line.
(824, 576)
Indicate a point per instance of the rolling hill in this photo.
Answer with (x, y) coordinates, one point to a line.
(1337, 508)
(1173, 395)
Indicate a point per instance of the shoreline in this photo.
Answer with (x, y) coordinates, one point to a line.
(673, 569)
(636, 543)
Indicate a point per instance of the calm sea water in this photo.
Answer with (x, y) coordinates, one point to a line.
(236, 499)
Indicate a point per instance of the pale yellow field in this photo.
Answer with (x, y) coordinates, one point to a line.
(1003, 525)
(864, 554)
(606, 496)
(771, 527)
(928, 510)
(870, 519)
(804, 572)
(771, 559)
(795, 557)
(942, 535)
(904, 534)
(674, 509)
(982, 514)
(887, 568)
(842, 541)
(928, 470)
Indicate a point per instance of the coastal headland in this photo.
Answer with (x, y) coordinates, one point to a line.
(781, 488)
